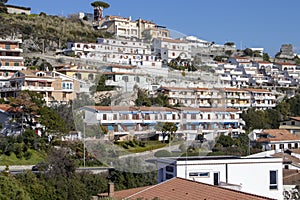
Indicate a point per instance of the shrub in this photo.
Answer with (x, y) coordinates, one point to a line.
(27, 155)
(162, 153)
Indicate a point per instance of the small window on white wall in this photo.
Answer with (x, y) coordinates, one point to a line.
(67, 86)
(273, 180)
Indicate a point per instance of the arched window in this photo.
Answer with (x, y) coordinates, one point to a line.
(91, 77)
(137, 79)
(125, 78)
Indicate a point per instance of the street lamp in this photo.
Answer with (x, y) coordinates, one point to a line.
(22, 113)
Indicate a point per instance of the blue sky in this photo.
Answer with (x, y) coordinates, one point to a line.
(255, 23)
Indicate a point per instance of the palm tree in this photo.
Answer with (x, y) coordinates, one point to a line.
(98, 9)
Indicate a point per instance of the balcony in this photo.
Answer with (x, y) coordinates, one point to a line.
(12, 50)
(232, 96)
(9, 89)
(201, 96)
(37, 88)
(245, 97)
(11, 58)
(15, 68)
(242, 79)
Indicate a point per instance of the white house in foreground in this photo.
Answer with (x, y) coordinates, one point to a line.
(260, 176)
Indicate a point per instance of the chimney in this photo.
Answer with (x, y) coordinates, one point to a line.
(111, 189)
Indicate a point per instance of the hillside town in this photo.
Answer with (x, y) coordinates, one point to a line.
(192, 98)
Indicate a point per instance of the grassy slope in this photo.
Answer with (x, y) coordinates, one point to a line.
(13, 160)
(50, 29)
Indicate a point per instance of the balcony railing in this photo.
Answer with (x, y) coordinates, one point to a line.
(37, 88)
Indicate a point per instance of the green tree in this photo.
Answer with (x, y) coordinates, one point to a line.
(162, 100)
(53, 123)
(266, 57)
(100, 5)
(11, 189)
(229, 44)
(225, 141)
(167, 129)
(142, 98)
(60, 163)
(101, 86)
(33, 185)
(248, 52)
(3, 8)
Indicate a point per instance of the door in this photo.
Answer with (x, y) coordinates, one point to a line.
(216, 178)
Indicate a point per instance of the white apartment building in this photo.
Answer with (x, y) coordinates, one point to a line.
(261, 98)
(275, 139)
(241, 99)
(10, 59)
(120, 120)
(117, 51)
(168, 49)
(55, 87)
(125, 78)
(261, 176)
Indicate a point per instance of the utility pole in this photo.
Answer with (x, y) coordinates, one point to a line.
(83, 144)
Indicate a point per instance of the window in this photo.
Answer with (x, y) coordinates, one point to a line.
(7, 47)
(169, 168)
(169, 176)
(273, 180)
(16, 64)
(199, 174)
(216, 178)
(104, 117)
(68, 86)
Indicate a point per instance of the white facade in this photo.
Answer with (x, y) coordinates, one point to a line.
(169, 49)
(251, 175)
(121, 120)
(118, 51)
(220, 97)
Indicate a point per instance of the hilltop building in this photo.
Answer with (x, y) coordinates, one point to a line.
(13, 9)
(139, 29)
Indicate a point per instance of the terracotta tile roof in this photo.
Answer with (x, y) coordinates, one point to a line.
(179, 189)
(171, 40)
(285, 63)
(130, 108)
(239, 57)
(277, 135)
(234, 90)
(291, 177)
(177, 88)
(263, 62)
(287, 158)
(116, 17)
(123, 66)
(124, 193)
(207, 109)
(8, 108)
(296, 151)
(257, 90)
(295, 118)
(201, 89)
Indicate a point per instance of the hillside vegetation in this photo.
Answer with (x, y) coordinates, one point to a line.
(44, 32)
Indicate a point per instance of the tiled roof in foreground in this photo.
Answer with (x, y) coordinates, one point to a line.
(179, 189)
